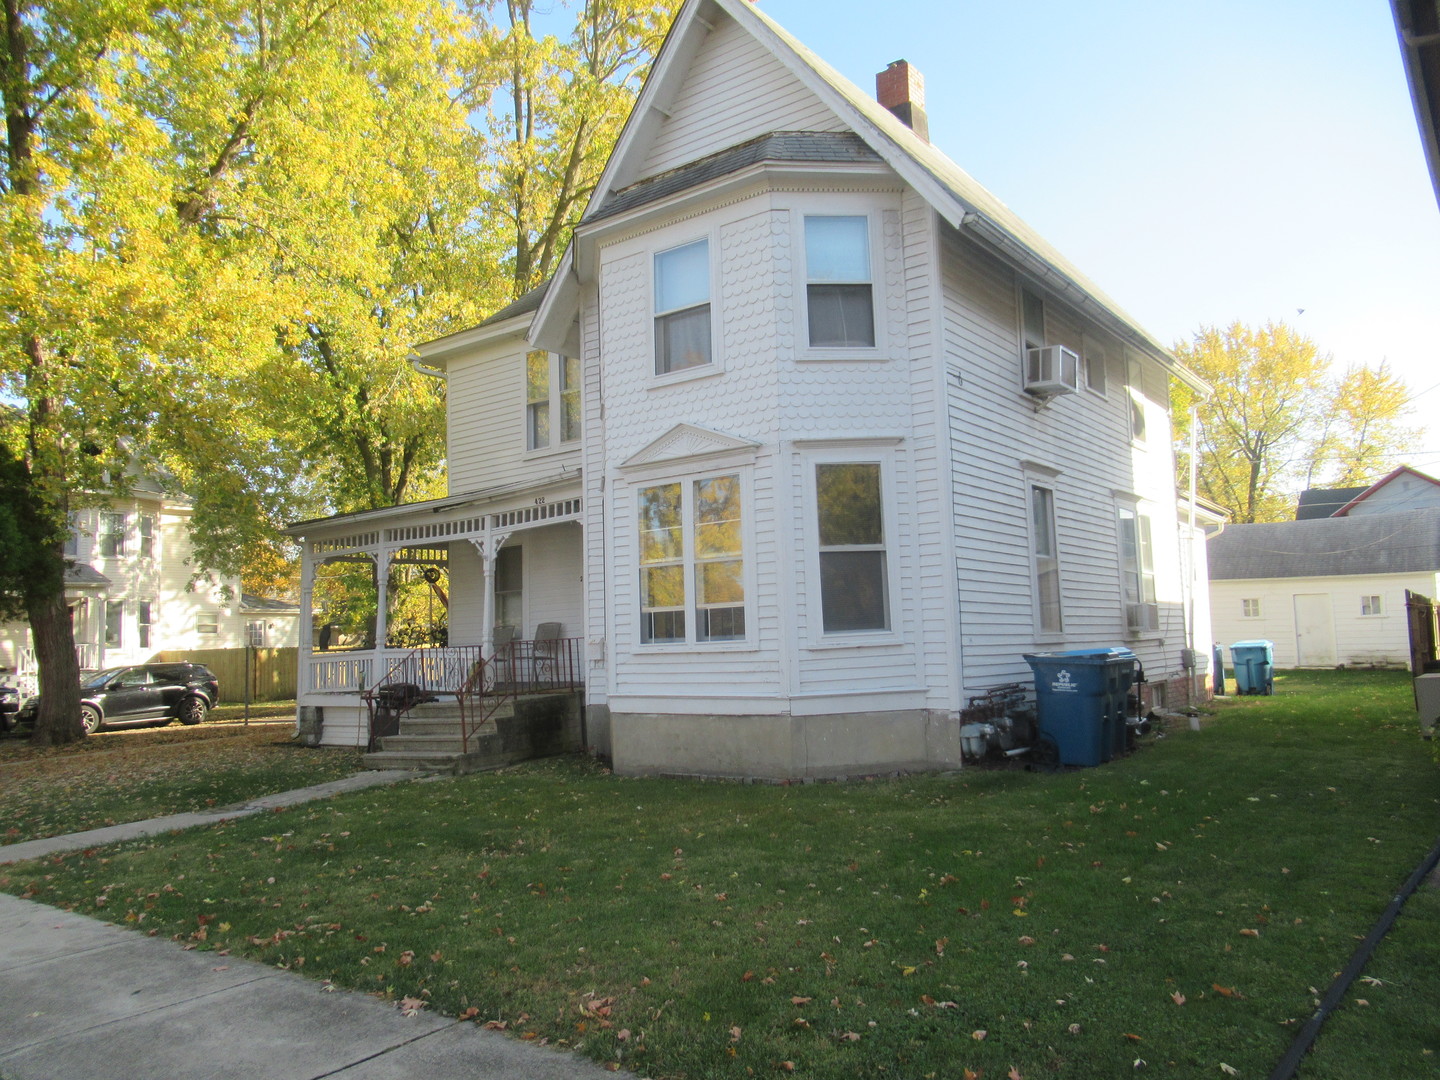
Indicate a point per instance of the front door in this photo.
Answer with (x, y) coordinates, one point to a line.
(1314, 631)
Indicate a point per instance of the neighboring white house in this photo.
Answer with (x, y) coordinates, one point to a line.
(808, 441)
(131, 592)
(1329, 590)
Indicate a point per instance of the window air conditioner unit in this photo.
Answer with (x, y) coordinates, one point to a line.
(1140, 617)
(1051, 371)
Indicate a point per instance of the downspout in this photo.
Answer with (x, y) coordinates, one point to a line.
(1194, 562)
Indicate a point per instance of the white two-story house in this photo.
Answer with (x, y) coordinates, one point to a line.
(808, 441)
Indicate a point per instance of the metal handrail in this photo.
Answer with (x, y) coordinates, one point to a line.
(480, 684)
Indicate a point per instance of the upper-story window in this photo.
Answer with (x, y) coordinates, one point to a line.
(839, 295)
(1094, 367)
(1032, 319)
(552, 399)
(1137, 565)
(112, 534)
(682, 307)
(1136, 391)
(147, 536)
(72, 538)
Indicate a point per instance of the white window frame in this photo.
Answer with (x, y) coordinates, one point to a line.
(1371, 606)
(508, 552)
(1135, 396)
(691, 563)
(207, 623)
(1044, 533)
(1250, 607)
(553, 403)
(144, 622)
(873, 240)
(1095, 357)
(1027, 342)
(711, 363)
(110, 542)
(145, 526)
(851, 453)
(115, 608)
(1137, 568)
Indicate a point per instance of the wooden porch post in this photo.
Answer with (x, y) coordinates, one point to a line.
(488, 546)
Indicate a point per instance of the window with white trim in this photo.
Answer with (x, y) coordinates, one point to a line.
(552, 390)
(692, 561)
(72, 538)
(1048, 617)
(854, 577)
(1032, 320)
(1135, 391)
(682, 307)
(1137, 560)
(147, 536)
(839, 292)
(510, 587)
(1371, 605)
(114, 623)
(207, 622)
(112, 534)
(1250, 607)
(144, 617)
(1095, 368)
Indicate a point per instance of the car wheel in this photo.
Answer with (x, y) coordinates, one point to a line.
(193, 710)
(90, 719)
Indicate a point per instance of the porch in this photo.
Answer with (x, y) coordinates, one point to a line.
(430, 594)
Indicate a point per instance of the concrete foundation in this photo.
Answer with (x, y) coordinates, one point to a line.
(782, 747)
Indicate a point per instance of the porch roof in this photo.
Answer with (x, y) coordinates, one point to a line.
(432, 506)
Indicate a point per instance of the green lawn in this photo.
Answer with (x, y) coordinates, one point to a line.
(1181, 908)
(130, 775)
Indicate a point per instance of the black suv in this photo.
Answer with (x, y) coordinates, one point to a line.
(143, 694)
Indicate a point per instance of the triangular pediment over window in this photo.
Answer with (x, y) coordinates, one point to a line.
(685, 441)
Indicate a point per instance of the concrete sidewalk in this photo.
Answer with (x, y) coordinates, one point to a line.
(87, 999)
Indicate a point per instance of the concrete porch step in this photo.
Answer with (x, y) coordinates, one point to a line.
(430, 761)
(406, 742)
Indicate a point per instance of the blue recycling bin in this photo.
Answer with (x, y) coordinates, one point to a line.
(1080, 699)
(1254, 664)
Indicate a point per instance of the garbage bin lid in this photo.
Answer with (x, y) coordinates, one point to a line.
(1253, 645)
(1093, 656)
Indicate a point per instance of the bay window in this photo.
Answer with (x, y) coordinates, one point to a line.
(854, 592)
(692, 583)
(838, 291)
(682, 307)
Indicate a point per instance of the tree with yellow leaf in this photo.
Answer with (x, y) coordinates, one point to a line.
(1278, 421)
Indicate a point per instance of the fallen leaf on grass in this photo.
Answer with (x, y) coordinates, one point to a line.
(1013, 1074)
(979, 1036)
(1249, 933)
(1178, 998)
(848, 1036)
(801, 1000)
(1133, 1038)
(496, 1025)
(1229, 1070)
(1226, 991)
(411, 1006)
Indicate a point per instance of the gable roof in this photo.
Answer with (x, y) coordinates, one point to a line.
(950, 191)
(1391, 477)
(1399, 543)
(1323, 502)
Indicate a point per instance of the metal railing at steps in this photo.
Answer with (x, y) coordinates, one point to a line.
(481, 685)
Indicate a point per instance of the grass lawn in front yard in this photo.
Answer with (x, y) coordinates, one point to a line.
(1175, 912)
(138, 773)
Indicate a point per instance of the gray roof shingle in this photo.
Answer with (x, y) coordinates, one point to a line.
(1405, 542)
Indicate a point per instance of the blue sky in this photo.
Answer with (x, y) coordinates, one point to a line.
(1201, 162)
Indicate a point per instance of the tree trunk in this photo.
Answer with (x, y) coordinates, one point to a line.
(59, 719)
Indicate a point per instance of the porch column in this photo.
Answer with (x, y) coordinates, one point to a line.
(488, 546)
(383, 557)
(307, 620)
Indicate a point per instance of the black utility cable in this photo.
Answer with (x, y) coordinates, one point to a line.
(1338, 989)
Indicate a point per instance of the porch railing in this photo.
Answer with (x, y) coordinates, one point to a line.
(480, 684)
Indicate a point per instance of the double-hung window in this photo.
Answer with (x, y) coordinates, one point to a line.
(114, 622)
(1372, 605)
(839, 296)
(1047, 560)
(1032, 320)
(1135, 389)
(1137, 565)
(143, 621)
(552, 390)
(854, 579)
(112, 534)
(692, 561)
(147, 536)
(682, 307)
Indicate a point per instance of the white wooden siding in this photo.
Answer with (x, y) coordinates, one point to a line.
(1084, 439)
(486, 424)
(1360, 640)
(1405, 492)
(734, 91)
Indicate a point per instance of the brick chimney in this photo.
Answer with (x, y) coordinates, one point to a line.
(901, 89)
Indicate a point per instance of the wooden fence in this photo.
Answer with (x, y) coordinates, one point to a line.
(272, 671)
